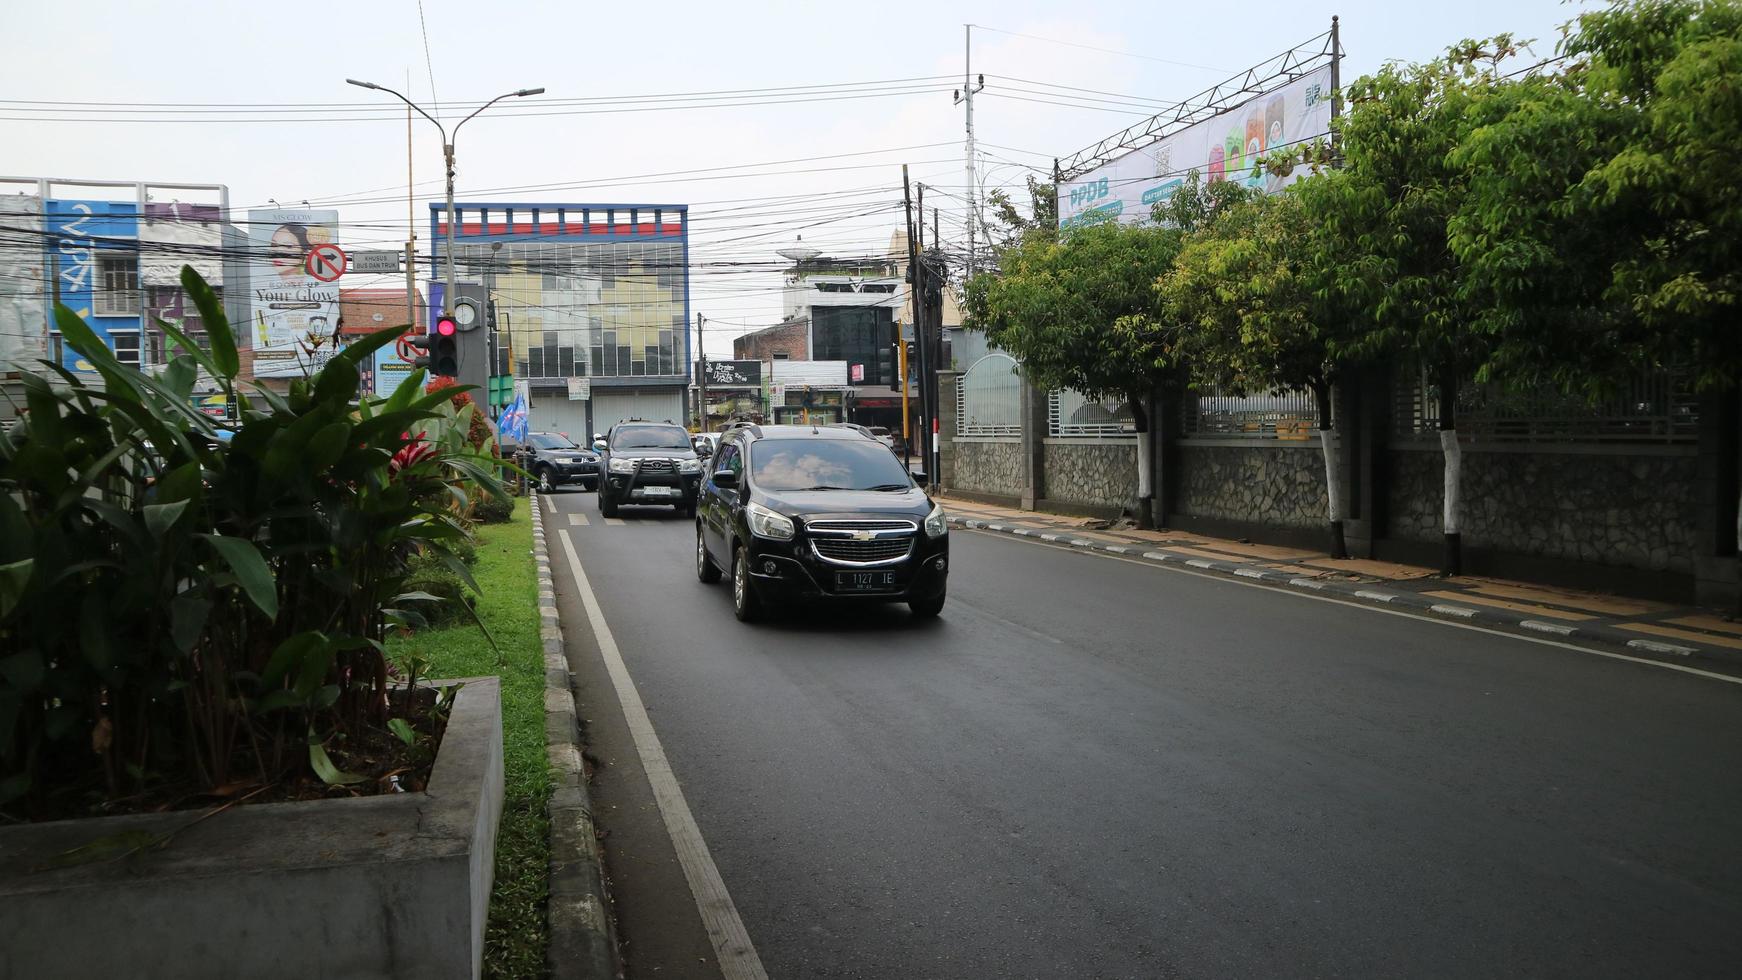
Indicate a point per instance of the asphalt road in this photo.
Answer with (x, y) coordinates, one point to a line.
(1092, 768)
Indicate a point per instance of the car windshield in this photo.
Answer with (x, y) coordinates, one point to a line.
(551, 440)
(826, 464)
(650, 437)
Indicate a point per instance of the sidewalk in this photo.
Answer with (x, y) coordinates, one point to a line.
(1644, 627)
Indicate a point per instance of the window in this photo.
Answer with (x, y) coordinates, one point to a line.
(126, 348)
(729, 460)
(118, 285)
(827, 464)
(781, 355)
(57, 350)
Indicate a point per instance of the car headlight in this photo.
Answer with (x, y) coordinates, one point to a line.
(689, 466)
(934, 522)
(621, 465)
(765, 523)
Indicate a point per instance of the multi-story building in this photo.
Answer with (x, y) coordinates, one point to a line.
(591, 302)
(111, 251)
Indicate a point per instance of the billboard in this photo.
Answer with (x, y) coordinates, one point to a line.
(23, 300)
(731, 374)
(1224, 147)
(286, 303)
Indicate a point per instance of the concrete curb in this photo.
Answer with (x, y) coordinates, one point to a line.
(1377, 595)
(582, 945)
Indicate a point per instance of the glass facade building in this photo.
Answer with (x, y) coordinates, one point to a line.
(580, 290)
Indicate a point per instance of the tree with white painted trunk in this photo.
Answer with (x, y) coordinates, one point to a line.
(1379, 240)
(1080, 314)
(1254, 319)
(1603, 227)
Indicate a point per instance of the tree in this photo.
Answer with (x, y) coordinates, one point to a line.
(1081, 314)
(1381, 230)
(1043, 214)
(1254, 317)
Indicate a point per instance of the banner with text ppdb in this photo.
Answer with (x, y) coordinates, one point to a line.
(1226, 146)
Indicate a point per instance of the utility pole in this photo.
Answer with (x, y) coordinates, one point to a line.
(701, 379)
(914, 276)
(410, 226)
(970, 85)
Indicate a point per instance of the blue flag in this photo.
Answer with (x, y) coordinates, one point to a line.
(512, 424)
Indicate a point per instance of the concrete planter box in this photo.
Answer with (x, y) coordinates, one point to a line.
(383, 886)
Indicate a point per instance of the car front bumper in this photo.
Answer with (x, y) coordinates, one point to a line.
(661, 488)
(791, 570)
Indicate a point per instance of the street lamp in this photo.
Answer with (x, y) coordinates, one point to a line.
(448, 153)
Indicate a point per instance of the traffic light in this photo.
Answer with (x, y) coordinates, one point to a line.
(420, 343)
(444, 347)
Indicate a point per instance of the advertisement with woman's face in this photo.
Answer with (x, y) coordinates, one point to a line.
(289, 306)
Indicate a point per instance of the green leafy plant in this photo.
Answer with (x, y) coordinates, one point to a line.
(183, 609)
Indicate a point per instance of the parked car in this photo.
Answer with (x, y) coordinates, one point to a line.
(705, 443)
(877, 432)
(649, 463)
(796, 513)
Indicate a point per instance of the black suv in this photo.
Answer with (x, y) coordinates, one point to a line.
(648, 463)
(553, 459)
(800, 512)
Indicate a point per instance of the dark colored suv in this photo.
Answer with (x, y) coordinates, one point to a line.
(553, 459)
(648, 463)
(800, 512)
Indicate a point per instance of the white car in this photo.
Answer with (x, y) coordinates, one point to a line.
(876, 432)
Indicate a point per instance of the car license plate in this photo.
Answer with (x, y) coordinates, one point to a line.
(865, 582)
(659, 491)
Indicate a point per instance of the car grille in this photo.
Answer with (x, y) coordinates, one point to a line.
(849, 527)
(658, 466)
(861, 552)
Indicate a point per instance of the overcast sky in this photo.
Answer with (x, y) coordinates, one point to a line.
(764, 182)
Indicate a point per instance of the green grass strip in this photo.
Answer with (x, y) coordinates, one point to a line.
(515, 939)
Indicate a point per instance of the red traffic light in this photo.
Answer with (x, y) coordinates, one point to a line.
(446, 326)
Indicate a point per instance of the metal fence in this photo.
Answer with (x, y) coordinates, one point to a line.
(989, 398)
(1213, 413)
(1659, 407)
(1070, 415)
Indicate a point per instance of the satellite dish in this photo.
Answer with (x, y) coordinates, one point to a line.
(798, 251)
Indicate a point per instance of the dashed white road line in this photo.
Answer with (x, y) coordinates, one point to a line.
(614, 521)
(578, 519)
(732, 947)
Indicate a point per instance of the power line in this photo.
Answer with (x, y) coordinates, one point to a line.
(435, 100)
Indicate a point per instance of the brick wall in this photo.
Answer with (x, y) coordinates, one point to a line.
(791, 339)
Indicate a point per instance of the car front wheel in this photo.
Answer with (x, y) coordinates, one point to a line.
(745, 603)
(607, 506)
(706, 570)
(544, 482)
(926, 608)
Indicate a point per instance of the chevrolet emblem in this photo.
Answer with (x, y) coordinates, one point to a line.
(864, 535)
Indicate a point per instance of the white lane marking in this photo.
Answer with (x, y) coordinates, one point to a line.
(578, 519)
(1248, 573)
(614, 521)
(1448, 624)
(1200, 563)
(1375, 596)
(732, 947)
(549, 505)
(1652, 646)
(1462, 612)
(1558, 629)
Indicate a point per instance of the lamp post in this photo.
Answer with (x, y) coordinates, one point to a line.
(448, 155)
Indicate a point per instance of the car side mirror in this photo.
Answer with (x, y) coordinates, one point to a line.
(704, 451)
(725, 478)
